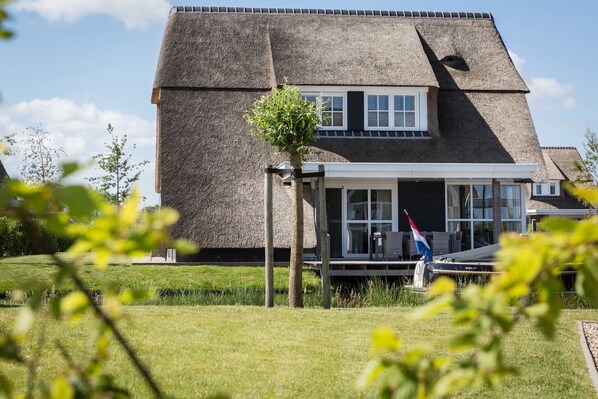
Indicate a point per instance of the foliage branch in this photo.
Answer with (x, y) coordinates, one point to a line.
(98, 230)
(528, 266)
(4, 16)
(285, 120)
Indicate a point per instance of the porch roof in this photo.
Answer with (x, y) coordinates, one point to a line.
(372, 170)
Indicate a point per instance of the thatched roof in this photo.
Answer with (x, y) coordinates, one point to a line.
(213, 65)
(559, 166)
(560, 163)
(3, 173)
(239, 48)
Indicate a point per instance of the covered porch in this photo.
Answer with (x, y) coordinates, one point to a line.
(456, 207)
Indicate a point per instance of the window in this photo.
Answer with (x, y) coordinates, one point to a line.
(377, 111)
(392, 111)
(470, 210)
(368, 211)
(404, 108)
(550, 188)
(332, 108)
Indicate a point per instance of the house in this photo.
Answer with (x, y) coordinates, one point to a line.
(3, 173)
(425, 112)
(549, 197)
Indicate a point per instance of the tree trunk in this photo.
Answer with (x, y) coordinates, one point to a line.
(296, 266)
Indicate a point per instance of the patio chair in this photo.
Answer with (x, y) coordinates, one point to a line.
(440, 243)
(410, 247)
(456, 238)
(393, 245)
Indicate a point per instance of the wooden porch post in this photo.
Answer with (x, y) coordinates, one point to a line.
(269, 238)
(496, 216)
(324, 243)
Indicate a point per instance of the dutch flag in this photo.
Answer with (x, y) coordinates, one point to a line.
(420, 242)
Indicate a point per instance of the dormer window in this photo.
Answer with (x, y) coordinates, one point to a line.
(548, 189)
(370, 112)
(333, 110)
(394, 110)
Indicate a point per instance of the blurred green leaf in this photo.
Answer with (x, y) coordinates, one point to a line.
(384, 339)
(75, 303)
(371, 372)
(61, 389)
(442, 286)
(68, 168)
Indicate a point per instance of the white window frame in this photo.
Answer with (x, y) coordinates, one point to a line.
(345, 185)
(421, 108)
(326, 93)
(545, 188)
(471, 220)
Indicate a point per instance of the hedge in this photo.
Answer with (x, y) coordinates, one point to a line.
(14, 240)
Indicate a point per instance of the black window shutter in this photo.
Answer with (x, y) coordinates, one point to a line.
(355, 110)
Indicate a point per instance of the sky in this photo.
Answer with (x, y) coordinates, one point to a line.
(75, 66)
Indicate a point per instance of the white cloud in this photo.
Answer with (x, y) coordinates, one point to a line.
(548, 93)
(569, 103)
(135, 14)
(545, 92)
(80, 130)
(517, 60)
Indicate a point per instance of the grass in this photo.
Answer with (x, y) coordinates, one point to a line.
(120, 273)
(253, 352)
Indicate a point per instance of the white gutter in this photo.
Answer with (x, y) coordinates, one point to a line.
(560, 212)
(370, 170)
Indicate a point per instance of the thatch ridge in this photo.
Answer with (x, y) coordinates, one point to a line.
(328, 11)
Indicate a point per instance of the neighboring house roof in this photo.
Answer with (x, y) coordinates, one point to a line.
(562, 160)
(3, 173)
(559, 166)
(214, 62)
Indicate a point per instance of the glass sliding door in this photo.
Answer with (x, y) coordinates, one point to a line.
(357, 222)
(470, 210)
(368, 210)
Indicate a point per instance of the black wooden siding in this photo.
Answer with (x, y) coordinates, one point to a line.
(425, 203)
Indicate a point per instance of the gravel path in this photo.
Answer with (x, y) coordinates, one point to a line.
(590, 330)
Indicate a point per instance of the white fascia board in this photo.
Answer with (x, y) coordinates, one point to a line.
(560, 212)
(378, 89)
(420, 170)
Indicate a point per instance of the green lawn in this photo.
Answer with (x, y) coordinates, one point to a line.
(253, 352)
(121, 273)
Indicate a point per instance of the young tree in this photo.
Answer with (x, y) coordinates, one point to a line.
(288, 122)
(39, 157)
(120, 174)
(588, 171)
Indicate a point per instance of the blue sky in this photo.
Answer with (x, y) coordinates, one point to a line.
(76, 66)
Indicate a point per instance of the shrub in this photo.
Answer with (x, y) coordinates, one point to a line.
(14, 241)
